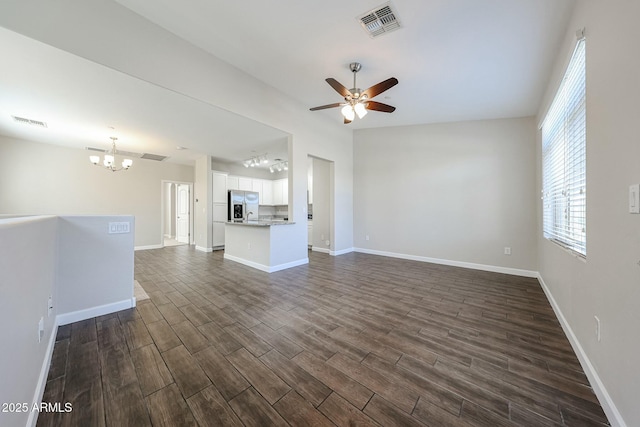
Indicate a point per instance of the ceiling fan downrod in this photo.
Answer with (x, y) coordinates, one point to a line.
(355, 90)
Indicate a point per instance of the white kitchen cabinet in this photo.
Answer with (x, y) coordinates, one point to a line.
(285, 191)
(257, 185)
(245, 184)
(272, 192)
(281, 192)
(219, 187)
(219, 212)
(277, 192)
(218, 235)
(233, 183)
(267, 192)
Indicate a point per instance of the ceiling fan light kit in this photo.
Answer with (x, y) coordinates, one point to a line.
(357, 101)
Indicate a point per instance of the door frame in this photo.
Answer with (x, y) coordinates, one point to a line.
(331, 199)
(163, 201)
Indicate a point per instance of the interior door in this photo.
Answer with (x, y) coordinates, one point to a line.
(182, 213)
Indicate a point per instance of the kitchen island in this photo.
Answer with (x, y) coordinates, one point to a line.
(263, 245)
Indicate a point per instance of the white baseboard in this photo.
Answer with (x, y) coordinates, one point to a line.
(323, 250)
(296, 263)
(76, 316)
(266, 268)
(203, 249)
(473, 266)
(608, 406)
(341, 252)
(44, 373)
(144, 248)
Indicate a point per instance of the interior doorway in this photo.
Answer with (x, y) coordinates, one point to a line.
(177, 223)
(182, 213)
(320, 205)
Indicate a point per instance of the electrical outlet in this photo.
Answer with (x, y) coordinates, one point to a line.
(50, 306)
(327, 242)
(507, 250)
(597, 327)
(366, 237)
(249, 245)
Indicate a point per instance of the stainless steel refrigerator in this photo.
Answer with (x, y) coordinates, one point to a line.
(243, 205)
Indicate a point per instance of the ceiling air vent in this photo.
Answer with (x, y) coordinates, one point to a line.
(381, 20)
(156, 157)
(29, 121)
(119, 152)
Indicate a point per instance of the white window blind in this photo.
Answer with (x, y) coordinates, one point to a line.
(564, 189)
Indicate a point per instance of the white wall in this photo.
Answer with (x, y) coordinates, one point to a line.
(453, 191)
(185, 69)
(47, 179)
(607, 285)
(203, 210)
(27, 278)
(87, 271)
(95, 268)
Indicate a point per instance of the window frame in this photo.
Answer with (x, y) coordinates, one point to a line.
(564, 136)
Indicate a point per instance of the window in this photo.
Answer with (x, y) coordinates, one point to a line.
(564, 191)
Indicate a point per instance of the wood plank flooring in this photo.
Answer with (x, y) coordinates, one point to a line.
(350, 340)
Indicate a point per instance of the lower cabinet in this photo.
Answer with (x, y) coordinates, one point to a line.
(218, 235)
(219, 219)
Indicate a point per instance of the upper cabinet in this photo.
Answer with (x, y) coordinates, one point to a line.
(219, 187)
(267, 192)
(245, 184)
(233, 182)
(257, 186)
(281, 191)
(277, 192)
(285, 191)
(272, 193)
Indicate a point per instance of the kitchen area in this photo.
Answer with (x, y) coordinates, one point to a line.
(250, 218)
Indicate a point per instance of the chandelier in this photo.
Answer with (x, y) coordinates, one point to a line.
(109, 161)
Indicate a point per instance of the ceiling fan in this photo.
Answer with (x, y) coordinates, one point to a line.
(357, 101)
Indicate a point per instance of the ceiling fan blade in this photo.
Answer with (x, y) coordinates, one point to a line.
(346, 121)
(339, 87)
(380, 87)
(322, 107)
(379, 106)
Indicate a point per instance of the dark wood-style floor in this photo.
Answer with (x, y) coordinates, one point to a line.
(349, 340)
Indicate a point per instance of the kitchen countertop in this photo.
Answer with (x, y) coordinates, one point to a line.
(261, 223)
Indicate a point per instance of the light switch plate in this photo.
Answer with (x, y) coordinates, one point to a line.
(118, 227)
(634, 198)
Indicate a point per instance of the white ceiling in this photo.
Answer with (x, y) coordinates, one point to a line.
(80, 101)
(455, 60)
